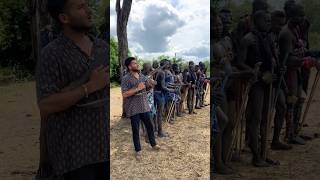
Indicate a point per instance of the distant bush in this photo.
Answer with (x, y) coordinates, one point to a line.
(314, 39)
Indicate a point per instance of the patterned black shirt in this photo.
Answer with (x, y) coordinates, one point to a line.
(135, 104)
(77, 136)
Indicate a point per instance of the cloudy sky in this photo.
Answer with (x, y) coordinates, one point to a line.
(167, 27)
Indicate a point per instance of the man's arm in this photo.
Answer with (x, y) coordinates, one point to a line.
(64, 99)
(126, 92)
(133, 91)
(163, 83)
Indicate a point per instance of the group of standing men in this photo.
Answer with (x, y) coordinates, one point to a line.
(158, 93)
(261, 72)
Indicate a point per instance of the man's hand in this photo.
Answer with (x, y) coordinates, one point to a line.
(283, 69)
(141, 86)
(98, 79)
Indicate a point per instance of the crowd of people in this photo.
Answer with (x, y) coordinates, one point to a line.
(260, 78)
(158, 93)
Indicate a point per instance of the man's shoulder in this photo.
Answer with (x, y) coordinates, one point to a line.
(126, 76)
(53, 47)
(285, 32)
(101, 42)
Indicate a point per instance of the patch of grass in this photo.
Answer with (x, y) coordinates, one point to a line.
(11, 75)
(114, 84)
(6, 75)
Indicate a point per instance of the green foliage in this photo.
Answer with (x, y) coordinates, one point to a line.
(114, 64)
(312, 8)
(239, 10)
(15, 40)
(314, 40)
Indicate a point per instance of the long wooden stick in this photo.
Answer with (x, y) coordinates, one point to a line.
(206, 92)
(241, 116)
(268, 124)
(170, 111)
(314, 86)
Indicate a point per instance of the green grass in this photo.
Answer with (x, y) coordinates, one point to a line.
(6, 75)
(10, 75)
(114, 84)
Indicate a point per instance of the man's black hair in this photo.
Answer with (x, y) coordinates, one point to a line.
(163, 62)
(175, 66)
(295, 10)
(225, 10)
(287, 6)
(191, 63)
(55, 8)
(278, 14)
(258, 15)
(258, 5)
(128, 61)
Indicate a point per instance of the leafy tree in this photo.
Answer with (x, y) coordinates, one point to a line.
(15, 46)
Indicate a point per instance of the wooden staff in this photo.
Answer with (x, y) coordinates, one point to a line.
(242, 110)
(314, 87)
(206, 92)
(170, 111)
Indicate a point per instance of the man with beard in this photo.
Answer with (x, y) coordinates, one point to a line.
(76, 136)
(278, 20)
(257, 47)
(133, 86)
(191, 79)
(159, 95)
(293, 51)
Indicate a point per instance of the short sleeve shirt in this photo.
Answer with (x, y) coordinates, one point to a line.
(135, 104)
(76, 137)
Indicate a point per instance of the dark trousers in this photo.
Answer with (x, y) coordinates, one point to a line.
(190, 99)
(257, 116)
(99, 171)
(135, 123)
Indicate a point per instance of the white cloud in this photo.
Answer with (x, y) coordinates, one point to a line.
(167, 27)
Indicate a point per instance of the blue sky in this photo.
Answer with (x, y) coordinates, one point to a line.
(167, 27)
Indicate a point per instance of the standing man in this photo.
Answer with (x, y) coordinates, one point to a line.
(136, 105)
(160, 90)
(278, 20)
(257, 47)
(292, 47)
(191, 79)
(199, 87)
(76, 136)
(146, 71)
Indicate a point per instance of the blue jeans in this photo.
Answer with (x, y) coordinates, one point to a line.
(135, 123)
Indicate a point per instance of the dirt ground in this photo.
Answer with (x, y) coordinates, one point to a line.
(300, 163)
(184, 154)
(19, 132)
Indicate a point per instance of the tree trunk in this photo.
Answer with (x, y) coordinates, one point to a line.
(122, 21)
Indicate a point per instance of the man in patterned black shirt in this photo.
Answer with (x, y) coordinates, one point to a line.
(76, 135)
(136, 107)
